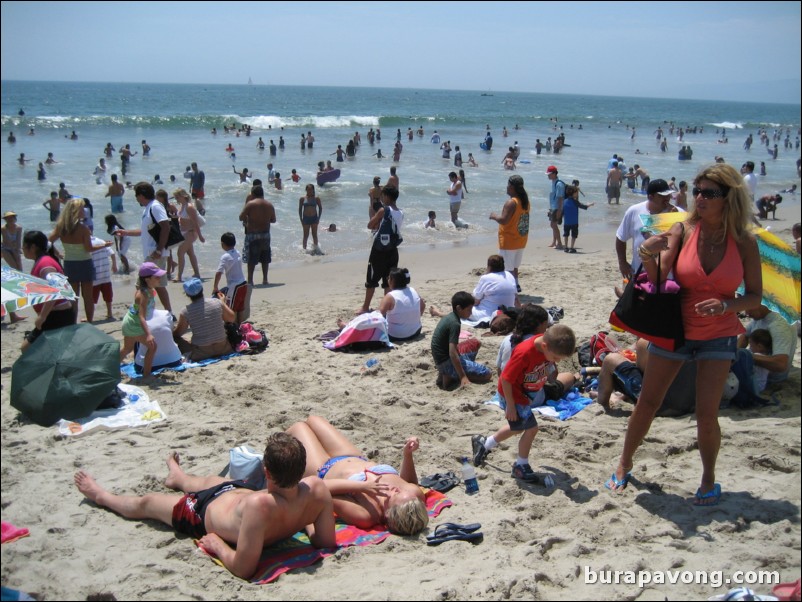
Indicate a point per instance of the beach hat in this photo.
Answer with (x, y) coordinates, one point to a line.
(193, 287)
(149, 269)
(660, 187)
(551, 169)
(8, 214)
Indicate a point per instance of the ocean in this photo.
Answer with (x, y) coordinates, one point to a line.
(177, 120)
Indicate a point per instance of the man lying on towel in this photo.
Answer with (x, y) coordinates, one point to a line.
(224, 513)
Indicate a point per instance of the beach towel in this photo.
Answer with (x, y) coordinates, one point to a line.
(11, 533)
(297, 552)
(130, 370)
(365, 331)
(562, 409)
(137, 410)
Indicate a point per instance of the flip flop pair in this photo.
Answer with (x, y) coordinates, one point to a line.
(441, 482)
(455, 532)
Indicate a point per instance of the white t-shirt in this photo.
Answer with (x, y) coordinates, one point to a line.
(783, 340)
(630, 228)
(404, 319)
(751, 183)
(159, 215)
(231, 266)
(493, 289)
(456, 198)
(102, 262)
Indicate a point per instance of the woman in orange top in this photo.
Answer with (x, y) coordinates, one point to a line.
(712, 253)
(513, 226)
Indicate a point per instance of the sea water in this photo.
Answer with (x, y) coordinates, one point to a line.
(177, 120)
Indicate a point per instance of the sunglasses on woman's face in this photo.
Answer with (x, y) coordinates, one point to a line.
(708, 193)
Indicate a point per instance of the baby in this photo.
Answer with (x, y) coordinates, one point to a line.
(760, 344)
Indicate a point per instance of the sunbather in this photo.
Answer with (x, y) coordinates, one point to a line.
(365, 493)
(222, 514)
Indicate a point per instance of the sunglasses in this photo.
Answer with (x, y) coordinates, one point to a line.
(708, 193)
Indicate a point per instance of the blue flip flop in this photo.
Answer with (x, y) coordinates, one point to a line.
(469, 528)
(442, 535)
(613, 484)
(711, 498)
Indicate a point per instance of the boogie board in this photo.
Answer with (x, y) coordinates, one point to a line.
(524, 161)
(325, 177)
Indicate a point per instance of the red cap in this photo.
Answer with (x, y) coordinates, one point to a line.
(551, 169)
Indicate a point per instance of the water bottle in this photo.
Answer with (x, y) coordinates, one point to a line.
(372, 362)
(469, 477)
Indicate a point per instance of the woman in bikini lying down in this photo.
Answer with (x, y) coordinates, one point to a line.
(365, 494)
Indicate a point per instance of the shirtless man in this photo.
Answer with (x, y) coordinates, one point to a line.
(614, 180)
(222, 514)
(257, 215)
(644, 177)
(116, 192)
(393, 179)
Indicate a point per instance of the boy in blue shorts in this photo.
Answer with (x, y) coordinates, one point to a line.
(526, 381)
(455, 361)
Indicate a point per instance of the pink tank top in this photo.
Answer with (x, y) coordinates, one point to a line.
(697, 286)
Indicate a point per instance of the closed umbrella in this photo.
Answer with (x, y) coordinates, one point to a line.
(66, 373)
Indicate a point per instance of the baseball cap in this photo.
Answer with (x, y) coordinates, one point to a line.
(551, 169)
(193, 287)
(660, 187)
(148, 269)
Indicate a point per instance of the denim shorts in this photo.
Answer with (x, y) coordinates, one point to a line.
(722, 348)
(471, 367)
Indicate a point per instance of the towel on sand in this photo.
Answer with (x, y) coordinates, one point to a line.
(130, 369)
(137, 410)
(297, 552)
(561, 409)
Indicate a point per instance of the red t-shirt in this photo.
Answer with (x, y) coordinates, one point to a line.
(527, 370)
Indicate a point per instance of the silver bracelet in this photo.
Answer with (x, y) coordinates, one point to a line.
(724, 306)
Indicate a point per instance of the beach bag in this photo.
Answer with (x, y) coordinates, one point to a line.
(387, 238)
(175, 235)
(256, 339)
(651, 313)
(245, 464)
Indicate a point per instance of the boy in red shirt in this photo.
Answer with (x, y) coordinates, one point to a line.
(523, 383)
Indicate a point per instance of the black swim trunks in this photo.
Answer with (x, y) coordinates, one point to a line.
(189, 514)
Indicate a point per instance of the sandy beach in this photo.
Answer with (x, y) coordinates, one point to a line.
(539, 543)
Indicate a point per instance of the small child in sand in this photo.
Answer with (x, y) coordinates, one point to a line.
(430, 223)
(455, 361)
(528, 375)
(760, 343)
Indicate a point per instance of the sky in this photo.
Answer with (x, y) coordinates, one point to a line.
(742, 51)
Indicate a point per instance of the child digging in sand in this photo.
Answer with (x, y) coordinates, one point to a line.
(523, 383)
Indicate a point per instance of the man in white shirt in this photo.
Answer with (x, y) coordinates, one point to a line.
(658, 195)
(750, 178)
(783, 342)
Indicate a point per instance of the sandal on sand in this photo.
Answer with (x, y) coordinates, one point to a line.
(442, 534)
(711, 498)
(441, 482)
(469, 528)
(613, 484)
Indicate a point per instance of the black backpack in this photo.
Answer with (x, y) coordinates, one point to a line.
(387, 237)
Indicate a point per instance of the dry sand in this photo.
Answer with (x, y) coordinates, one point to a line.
(538, 542)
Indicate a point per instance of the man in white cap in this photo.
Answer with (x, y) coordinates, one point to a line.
(658, 200)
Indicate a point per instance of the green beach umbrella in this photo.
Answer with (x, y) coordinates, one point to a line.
(66, 373)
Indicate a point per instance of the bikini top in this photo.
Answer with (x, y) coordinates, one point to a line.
(379, 469)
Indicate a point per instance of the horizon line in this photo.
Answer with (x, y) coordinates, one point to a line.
(481, 92)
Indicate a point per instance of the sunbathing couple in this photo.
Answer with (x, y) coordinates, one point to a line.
(312, 471)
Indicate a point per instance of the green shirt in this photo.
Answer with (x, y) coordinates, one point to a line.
(446, 332)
